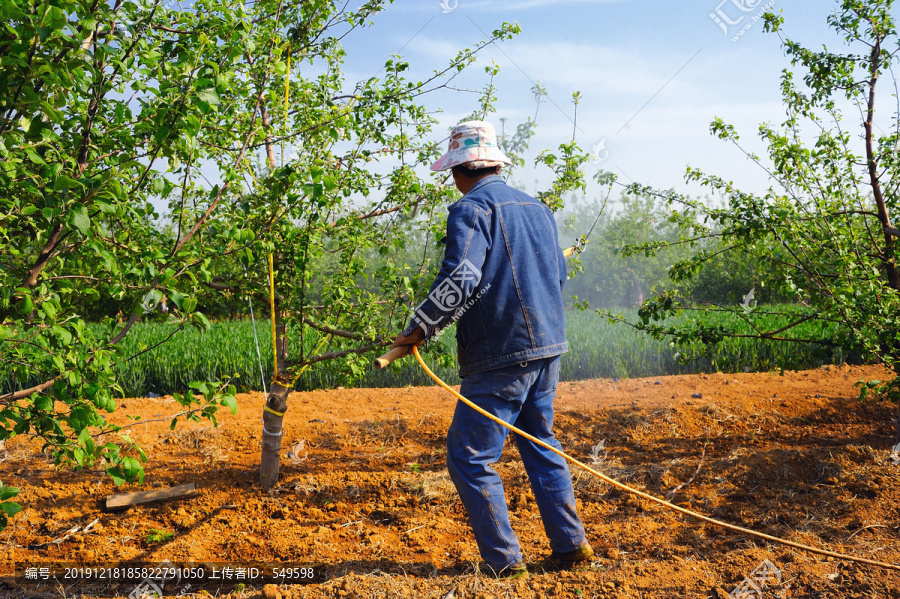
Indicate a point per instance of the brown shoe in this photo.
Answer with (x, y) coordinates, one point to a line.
(514, 572)
(573, 559)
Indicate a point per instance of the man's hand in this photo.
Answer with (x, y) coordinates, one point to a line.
(416, 338)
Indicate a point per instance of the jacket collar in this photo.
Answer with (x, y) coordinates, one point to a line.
(486, 181)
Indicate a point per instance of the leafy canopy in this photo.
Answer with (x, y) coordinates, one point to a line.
(237, 116)
(825, 230)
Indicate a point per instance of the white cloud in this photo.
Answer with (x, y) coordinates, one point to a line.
(625, 75)
(508, 5)
(491, 6)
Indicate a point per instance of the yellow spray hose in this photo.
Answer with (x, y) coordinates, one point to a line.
(272, 306)
(634, 491)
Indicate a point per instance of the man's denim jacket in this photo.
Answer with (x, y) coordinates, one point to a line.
(501, 279)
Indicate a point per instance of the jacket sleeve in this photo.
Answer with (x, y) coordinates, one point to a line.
(468, 240)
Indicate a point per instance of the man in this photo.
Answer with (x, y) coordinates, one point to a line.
(501, 280)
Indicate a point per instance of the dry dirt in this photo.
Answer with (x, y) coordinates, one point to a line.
(364, 503)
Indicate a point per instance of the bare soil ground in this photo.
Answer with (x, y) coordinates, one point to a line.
(364, 501)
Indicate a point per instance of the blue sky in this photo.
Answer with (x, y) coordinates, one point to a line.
(652, 74)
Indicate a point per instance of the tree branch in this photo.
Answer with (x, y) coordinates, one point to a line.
(15, 395)
(890, 269)
(331, 331)
(340, 354)
(44, 257)
(151, 348)
(170, 30)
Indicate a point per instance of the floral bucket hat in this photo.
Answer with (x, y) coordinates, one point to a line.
(473, 143)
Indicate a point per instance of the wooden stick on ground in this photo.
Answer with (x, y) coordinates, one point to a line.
(125, 500)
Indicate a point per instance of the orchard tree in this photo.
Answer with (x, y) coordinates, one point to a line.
(826, 230)
(614, 273)
(236, 115)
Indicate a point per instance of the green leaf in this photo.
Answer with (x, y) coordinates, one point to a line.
(10, 10)
(65, 337)
(63, 182)
(33, 156)
(192, 125)
(116, 474)
(230, 402)
(177, 299)
(132, 469)
(11, 508)
(84, 436)
(49, 308)
(27, 305)
(210, 96)
(43, 402)
(201, 387)
(78, 218)
(201, 321)
(104, 206)
(52, 113)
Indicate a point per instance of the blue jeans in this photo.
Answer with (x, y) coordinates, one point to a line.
(521, 395)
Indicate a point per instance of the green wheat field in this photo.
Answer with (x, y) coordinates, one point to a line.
(598, 349)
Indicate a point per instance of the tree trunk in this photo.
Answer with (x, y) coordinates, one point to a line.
(270, 462)
(273, 416)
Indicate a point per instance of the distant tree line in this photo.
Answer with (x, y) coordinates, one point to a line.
(634, 246)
